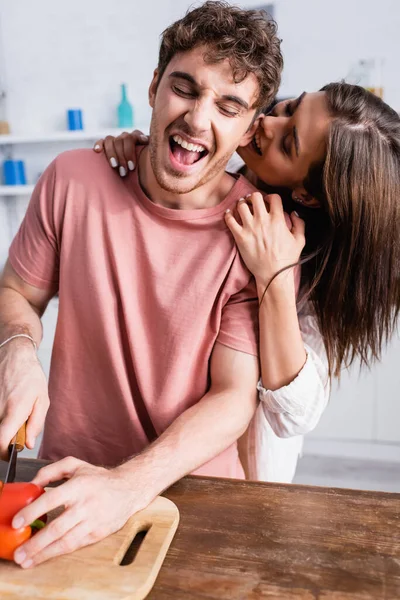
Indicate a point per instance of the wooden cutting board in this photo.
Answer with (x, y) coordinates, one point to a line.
(94, 572)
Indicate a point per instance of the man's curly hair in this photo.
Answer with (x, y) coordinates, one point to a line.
(247, 38)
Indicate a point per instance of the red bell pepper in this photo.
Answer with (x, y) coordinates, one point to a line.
(14, 497)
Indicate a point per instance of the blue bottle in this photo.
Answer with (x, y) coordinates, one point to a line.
(125, 110)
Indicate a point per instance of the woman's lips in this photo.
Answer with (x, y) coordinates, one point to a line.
(255, 146)
(257, 138)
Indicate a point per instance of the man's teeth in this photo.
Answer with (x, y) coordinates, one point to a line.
(186, 145)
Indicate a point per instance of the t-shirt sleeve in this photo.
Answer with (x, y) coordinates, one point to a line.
(34, 252)
(239, 322)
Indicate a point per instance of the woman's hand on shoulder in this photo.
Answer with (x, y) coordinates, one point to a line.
(267, 238)
(120, 150)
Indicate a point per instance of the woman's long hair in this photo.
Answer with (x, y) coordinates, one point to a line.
(354, 279)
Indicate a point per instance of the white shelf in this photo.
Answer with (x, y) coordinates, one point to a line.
(16, 190)
(61, 136)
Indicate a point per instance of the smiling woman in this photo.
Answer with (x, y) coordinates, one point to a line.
(289, 140)
(337, 151)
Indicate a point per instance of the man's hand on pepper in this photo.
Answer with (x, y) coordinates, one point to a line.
(14, 497)
(97, 503)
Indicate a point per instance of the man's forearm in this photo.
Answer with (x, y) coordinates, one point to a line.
(18, 316)
(194, 438)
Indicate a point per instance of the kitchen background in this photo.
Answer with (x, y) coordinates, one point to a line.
(60, 55)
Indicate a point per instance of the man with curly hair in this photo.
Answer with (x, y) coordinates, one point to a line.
(154, 367)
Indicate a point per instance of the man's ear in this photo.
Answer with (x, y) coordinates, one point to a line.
(301, 196)
(248, 136)
(153, 88)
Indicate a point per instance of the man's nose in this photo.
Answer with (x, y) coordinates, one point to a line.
(198, 117)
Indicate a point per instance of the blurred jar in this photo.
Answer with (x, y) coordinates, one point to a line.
(14, 172)
(4, 126)
(368, 74)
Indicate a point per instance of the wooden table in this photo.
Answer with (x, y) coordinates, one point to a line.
(242, 540)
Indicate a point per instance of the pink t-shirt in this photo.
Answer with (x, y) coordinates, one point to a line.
(144, 294)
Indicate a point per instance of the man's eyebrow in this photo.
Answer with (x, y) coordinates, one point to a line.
(183, 75)
(237, 100)
(228, 97)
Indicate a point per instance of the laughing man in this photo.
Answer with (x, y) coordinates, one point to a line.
(154, 367)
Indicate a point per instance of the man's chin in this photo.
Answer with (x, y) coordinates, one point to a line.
(180, 182)
(176, 184)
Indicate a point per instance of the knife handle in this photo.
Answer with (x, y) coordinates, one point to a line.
(19, 439)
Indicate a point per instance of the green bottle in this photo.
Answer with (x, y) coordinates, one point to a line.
(125, 110)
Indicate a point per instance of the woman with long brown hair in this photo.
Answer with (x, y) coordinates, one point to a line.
(334, 158)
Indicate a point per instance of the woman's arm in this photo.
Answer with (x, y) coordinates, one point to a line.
(296, 408)
(294, 385)
(270, 448)
(269, 241)
(282, 352)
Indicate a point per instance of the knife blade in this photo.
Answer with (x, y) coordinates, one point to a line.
(12, 464)
(16, 445)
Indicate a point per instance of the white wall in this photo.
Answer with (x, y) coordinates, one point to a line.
(322, 39)
(59, 55)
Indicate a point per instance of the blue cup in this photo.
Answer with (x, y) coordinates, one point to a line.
(14, 172)
(74, 118)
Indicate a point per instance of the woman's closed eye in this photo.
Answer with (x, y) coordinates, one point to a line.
(286, 144)
(288, 109)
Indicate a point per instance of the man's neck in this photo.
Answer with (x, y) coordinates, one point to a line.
(206, 196)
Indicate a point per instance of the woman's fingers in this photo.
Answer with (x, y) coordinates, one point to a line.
(275, 205)
(129, 151)
(232, 224)
(299, 228)
(258, 203)
(98, 146)
(121, 150)
(129, 141)
(143, 138)
(110, 151)
(122, 158)
(244, 212)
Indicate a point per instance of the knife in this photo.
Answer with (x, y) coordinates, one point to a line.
(16, 445)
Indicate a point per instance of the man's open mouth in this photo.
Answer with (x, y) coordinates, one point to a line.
(184, 152)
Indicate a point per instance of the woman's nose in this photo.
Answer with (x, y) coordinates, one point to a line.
(270, 125)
